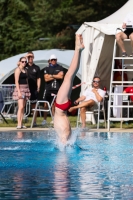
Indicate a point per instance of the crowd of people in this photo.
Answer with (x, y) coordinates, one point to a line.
(28, 82)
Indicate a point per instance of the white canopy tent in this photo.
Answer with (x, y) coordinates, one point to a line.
(64, 58)
(99, 41)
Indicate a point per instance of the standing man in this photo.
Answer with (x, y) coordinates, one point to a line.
(53, 76)
(89, 98)
(127, 34)
(34, 80)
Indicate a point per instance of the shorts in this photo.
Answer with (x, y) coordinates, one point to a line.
(34, 95)
(64, 106)
(48, 97)
(24, 89)
(128, 32)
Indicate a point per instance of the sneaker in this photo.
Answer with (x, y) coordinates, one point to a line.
(23, 126)
(18, 127)
(131, 55)
(51, 122)
(34, 124)
(124, 54)
(44, 122)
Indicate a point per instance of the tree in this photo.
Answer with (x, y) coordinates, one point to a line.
(23, 22)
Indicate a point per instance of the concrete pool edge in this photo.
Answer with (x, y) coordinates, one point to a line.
(7, 129)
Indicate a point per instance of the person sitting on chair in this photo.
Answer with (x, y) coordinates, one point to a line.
(89, 98)
(63, 103)
(127, 34)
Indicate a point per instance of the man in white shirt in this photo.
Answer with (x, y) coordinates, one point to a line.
(127, 34)
(88, 99)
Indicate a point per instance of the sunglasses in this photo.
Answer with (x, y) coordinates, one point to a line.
(96, 81)
(30, 56)
(23, 61)
(53, 59)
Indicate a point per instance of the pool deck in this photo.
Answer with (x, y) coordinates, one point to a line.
(124, 130)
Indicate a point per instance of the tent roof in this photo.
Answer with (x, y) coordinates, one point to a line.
(109, 24)
(8, 65)
(119, 15)
(99, 41)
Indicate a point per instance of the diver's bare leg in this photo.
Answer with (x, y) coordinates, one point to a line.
(66, 87)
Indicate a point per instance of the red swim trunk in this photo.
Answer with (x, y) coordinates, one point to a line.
(64, 106)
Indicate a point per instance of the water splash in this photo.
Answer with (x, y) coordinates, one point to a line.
(70, 143)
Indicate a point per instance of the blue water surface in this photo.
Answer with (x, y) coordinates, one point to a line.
(98, 166)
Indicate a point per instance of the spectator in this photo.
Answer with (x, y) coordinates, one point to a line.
(89, 97)
(21, 92)
(48, 61)
(34, 80)
(128, 33)
(53, 76)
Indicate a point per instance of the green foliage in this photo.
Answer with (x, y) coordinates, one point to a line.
(23, 22)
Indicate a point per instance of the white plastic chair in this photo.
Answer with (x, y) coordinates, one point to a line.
(95, 110)
(6, 101)
(8, 106)
(37, 108)
(1, 107)
(98, 110)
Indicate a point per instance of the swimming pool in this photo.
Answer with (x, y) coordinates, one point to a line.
(99, 166)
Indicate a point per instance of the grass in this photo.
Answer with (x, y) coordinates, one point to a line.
(73, 122)
(13, 123)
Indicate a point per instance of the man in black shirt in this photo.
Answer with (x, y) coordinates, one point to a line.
(34, 80)
(53, 76)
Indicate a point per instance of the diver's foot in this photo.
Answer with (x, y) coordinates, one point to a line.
(79, 42)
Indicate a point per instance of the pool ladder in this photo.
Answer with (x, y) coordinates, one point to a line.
(117, 98)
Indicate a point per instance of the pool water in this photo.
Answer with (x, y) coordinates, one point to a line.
(98, 166)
